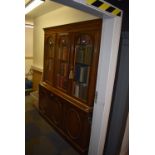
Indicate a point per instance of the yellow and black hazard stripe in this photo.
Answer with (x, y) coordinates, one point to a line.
(105, 7)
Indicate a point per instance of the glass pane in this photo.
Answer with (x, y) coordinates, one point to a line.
(83, 60)
(49, 59)
(62, 62)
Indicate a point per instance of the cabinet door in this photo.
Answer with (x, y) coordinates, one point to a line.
(50, 106)
(43, 100)
(62, 62)
(77, 126)
(83, 63)
(54, 110)
(49, 55)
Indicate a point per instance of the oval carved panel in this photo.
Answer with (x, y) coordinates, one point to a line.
(73, 124)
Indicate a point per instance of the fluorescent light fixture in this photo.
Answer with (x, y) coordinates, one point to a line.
(29, 26)
(32, 4)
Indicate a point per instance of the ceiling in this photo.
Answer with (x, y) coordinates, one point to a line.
(26, 1)
(44, 8)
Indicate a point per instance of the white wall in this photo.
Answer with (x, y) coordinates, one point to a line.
(28, 49)
(28, 20)
(28, 42)
(60, 16)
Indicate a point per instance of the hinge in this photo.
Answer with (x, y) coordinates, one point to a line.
(96, 95)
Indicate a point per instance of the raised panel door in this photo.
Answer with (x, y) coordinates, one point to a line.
(55, 110)
(77, 126)
(50, 106)
(43, 100)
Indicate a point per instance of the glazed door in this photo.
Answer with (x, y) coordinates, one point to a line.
(50, 44)
(63, 62)
(83, 63)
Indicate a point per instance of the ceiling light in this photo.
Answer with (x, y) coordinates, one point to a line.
(32, 4)
(29, 26)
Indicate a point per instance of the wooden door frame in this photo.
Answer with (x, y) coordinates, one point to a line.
(110, 38)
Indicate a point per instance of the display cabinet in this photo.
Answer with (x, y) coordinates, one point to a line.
(66, 94)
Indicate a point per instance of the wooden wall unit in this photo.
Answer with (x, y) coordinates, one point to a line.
(66, 94)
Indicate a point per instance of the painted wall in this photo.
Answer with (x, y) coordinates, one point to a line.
(61, 16)
(28, 42)
(28, 50)
(28, 20)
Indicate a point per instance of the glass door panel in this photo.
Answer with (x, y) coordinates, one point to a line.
(82, 66)
(62, 59)
(49, 58)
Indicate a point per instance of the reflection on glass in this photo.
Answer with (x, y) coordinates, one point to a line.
(62, 63)
(83, 60)
(49, 56)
